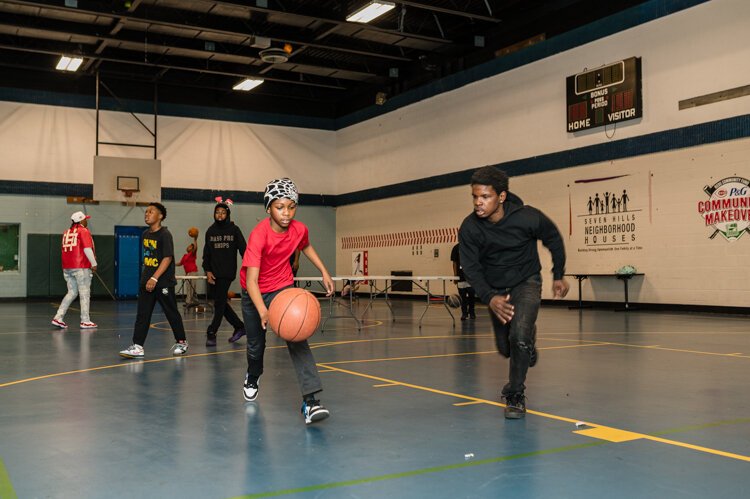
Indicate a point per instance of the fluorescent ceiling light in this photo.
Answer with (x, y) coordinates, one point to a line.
(247, 85)
(69, 63)
(370, 11)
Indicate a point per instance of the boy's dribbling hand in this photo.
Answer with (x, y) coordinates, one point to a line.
(502, 307)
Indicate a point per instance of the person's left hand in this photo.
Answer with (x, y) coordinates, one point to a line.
(150, 285)
(328, 283)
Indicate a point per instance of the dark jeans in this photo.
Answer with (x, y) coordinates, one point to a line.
(222, 309)
(467, 301)
(516, 339)
(146, 302)
(302, 357)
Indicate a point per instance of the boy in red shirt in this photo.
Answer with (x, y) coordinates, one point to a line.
(188, 261)
(78, 263)
(265, 272)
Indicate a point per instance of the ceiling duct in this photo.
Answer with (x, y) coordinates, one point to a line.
(273, 56)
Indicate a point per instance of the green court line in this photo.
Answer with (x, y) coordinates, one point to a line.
(703, 426)
(6, 488)
(423, 471)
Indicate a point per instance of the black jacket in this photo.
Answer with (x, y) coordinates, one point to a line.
(504, 254)
(223, 242)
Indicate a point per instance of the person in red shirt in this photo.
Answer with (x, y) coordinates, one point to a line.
(265, 272)
(188, 261)
(78, 263)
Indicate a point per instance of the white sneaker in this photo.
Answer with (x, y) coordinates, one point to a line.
(180, 348)
(59, 323)
(250, 390)
(133, 352)
(88, 325)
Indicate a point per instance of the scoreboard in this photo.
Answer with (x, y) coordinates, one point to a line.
(609, 94)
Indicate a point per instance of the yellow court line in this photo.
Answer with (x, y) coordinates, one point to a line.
(473, 402)
(123, 363)
(385, 385)
(126, 363)
(682, 350)
(544, 415)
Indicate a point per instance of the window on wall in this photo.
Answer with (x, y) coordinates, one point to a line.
(9, 247)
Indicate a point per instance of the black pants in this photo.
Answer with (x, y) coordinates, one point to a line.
(302, 357)
(516, 339)
(146, 302)
(222, 309)
(467, 301)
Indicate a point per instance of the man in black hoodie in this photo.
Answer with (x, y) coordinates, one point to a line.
(498, 248)
(223, 241)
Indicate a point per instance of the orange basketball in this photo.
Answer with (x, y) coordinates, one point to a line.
(294, 314)
(193, 232)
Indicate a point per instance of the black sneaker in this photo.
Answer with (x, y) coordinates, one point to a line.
(238, 333)
(472, 316)
(314, 411)
(515, 406)
(250, 390)
(534, 357)
(211, 339)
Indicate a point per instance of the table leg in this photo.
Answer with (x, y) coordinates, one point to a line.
(427, 307)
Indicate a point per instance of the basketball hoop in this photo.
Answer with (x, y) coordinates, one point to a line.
(130, 200)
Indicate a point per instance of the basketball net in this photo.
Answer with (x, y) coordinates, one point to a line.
(130, 200)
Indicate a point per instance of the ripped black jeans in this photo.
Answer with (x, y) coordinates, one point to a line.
(516, 340)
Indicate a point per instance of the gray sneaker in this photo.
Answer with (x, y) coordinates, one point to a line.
(515, 406)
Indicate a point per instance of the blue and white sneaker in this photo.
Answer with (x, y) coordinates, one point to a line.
(314, 411)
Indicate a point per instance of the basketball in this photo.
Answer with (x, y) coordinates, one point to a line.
(294, 314)
(193, 232)
(453, 301)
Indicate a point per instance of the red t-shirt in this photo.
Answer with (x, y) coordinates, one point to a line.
(73, 241)
(270, 252)
(188, 261)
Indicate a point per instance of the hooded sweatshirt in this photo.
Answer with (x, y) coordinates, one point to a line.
(224, 240)
(497, 256)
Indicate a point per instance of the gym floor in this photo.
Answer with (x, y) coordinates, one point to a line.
(638, 404)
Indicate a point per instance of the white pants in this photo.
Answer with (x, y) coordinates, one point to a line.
(79, 283)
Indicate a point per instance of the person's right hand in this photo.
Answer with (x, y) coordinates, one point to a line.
(502, 308)
(210, 277)
(263, 317)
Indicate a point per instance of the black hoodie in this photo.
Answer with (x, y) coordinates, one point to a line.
(223, 241)
(504, 254)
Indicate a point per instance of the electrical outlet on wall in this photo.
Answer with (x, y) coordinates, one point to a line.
(435, 253)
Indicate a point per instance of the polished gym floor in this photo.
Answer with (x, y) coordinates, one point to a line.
(621, 405)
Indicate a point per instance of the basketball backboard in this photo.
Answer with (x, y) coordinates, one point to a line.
(127, 180)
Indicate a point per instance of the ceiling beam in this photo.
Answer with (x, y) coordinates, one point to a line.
(235, 72)
(453, 12)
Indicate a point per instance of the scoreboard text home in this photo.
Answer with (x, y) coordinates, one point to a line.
(605, 95)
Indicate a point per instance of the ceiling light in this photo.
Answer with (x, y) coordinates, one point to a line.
(367, 13)
(69, 63)
(247, 85)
